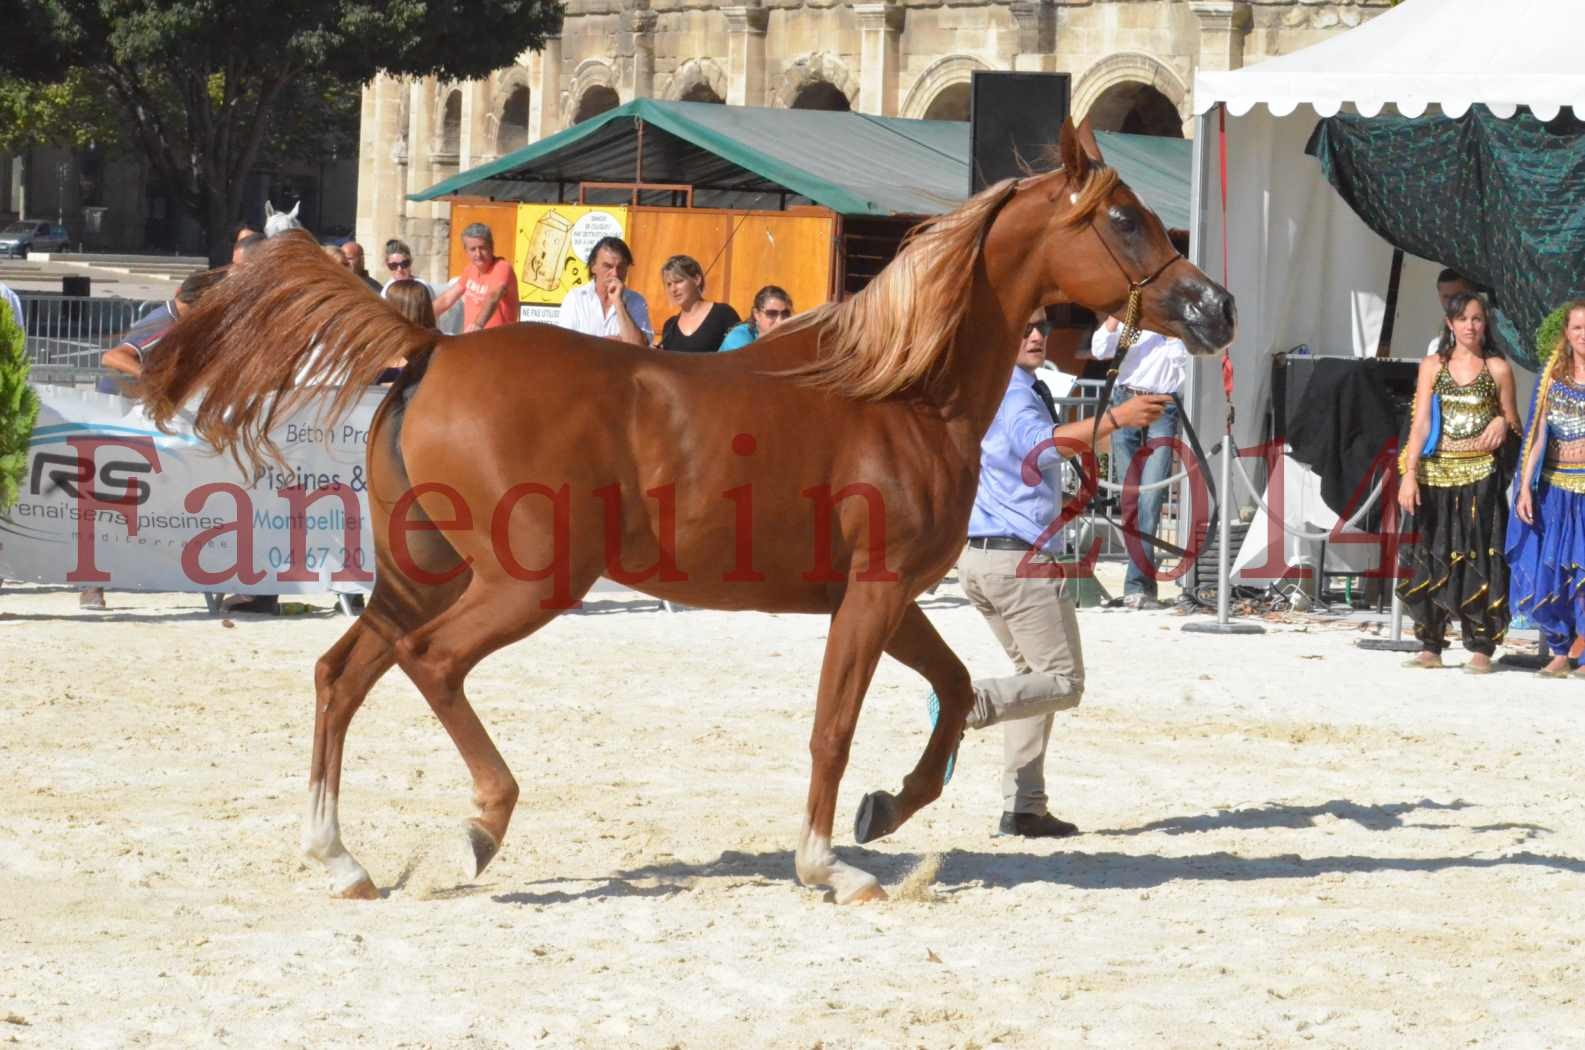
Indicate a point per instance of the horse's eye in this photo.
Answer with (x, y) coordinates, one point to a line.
(1124, 221)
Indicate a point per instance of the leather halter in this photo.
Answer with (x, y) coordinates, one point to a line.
(1130, 333)
(1125, 342)
(1136, 295)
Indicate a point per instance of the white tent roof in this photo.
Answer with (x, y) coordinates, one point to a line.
(1449, 53)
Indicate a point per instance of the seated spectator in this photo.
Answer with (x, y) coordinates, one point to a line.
(606, 306)
(488, 287)
(772, 306)
(413, 301)
(245, 247)
(399, 262)
(132, 354)
(699, 325)
(334, 255)
(352, 251)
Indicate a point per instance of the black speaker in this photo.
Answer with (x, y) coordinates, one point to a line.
(1291, 374)
(1015, 123)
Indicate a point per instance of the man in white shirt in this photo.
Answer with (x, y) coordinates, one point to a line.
(1156, 364)
(606, 306)
(1448, 284)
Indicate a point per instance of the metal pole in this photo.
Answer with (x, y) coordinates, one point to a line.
(1224, 557)
(1224, 623)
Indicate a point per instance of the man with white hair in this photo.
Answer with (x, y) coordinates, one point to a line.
(488, 287)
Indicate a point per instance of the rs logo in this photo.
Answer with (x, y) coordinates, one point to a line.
(71, 473)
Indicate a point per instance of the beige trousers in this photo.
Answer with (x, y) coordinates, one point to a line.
(1035, 621)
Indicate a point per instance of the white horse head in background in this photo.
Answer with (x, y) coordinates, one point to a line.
(280, 221)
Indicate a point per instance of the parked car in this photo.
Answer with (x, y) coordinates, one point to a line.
(19, 238)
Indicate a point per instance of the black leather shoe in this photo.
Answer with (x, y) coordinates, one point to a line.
(1036, 826)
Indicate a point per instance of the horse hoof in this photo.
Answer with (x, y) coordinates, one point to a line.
(362, 890)
(876, 817)
(485, 846)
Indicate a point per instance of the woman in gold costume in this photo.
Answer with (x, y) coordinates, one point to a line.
(1546, 536)
(1452, 491)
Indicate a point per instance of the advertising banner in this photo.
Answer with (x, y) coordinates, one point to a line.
(108, 500)
(553, 242)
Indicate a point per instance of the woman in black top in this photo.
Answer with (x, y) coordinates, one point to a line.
(699, 325)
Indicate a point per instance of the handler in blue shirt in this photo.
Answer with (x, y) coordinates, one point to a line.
(1032, 616)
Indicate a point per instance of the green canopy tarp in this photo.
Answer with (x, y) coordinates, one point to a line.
(1497, 200)
(749, 157)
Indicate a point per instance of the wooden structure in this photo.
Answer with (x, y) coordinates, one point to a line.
(814, 201)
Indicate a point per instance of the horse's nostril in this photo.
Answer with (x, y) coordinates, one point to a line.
(1229, 311)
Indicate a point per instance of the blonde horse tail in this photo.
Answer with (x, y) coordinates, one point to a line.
(254, 349)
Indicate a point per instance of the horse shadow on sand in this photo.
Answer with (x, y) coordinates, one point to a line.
(1384, 817)
(1070, 863)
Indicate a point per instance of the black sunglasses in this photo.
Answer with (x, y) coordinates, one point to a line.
(1041, 327)
(780, 315)
(399, 264)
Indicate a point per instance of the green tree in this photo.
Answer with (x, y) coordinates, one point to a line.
(66, 112)
(19, 407)
(200, 84)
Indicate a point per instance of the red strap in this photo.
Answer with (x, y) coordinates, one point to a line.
(1221, 142)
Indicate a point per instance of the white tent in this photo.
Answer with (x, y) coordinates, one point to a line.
(1302, 265)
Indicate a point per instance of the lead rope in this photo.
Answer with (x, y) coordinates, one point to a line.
(1126, 338)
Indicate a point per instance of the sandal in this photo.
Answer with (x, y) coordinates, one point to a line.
(1421, 665)
(1479, 669)
(1561, 672)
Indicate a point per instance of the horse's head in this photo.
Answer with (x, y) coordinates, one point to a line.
(1110, 253)
(280, 221)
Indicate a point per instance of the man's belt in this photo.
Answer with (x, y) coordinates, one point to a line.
(998, 543)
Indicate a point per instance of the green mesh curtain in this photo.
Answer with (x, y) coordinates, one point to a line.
(1500, 201)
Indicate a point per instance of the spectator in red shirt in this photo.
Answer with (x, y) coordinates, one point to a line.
(488, 287)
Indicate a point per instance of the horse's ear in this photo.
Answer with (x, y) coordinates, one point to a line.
(293, 213)
(269, 209)
(1092, 149)
(1074, 162)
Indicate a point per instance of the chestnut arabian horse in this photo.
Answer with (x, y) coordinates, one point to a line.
(828, 468)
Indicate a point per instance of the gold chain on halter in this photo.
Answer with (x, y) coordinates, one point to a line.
(1130, 333)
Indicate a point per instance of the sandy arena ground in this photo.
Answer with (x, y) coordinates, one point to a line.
(1288, 842)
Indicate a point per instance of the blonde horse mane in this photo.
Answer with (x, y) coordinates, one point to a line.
(891, 335)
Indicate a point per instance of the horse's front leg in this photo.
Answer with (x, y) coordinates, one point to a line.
(864, 620)
(916, 645)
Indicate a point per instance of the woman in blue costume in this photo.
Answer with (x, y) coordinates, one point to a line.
(1452, 489)
(1546, 536)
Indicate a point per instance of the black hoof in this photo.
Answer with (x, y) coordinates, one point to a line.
(484, 847)
(876, 817)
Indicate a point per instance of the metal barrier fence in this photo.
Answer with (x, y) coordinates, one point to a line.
(1081, 404)
(74, 330)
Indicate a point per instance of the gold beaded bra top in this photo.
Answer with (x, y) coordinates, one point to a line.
(1565, 435)
(1466, 411)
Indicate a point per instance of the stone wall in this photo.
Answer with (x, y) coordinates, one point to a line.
(891, 57)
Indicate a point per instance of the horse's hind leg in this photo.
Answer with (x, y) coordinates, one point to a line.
(916, 645)
(866, 617)
(491, 613)
(342, 678)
